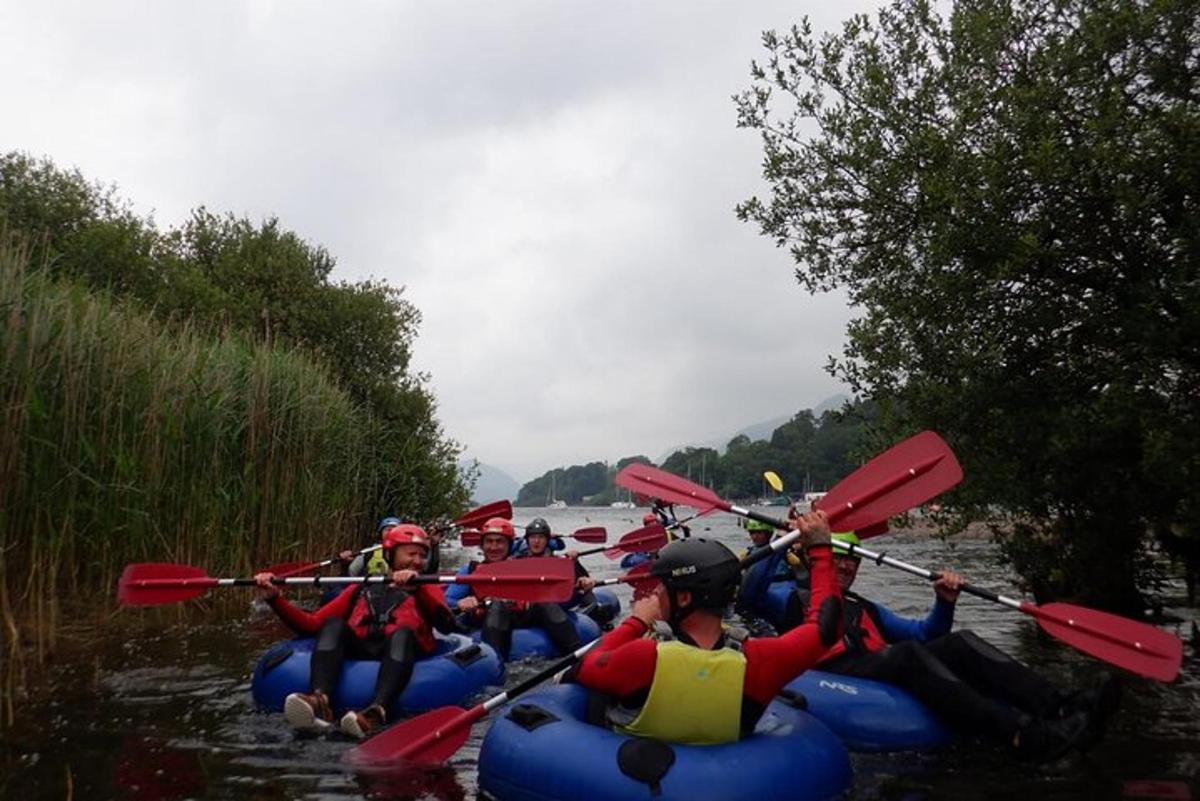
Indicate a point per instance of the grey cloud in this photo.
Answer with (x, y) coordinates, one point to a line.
(552, 182)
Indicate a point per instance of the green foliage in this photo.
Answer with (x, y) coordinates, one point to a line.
(1009, 195)
(219, 273)
(125, 441)
(809, 455)
(576, 485)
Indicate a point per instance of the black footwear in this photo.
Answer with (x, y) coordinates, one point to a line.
(308, 711)
(1047, 740)
(365, 723)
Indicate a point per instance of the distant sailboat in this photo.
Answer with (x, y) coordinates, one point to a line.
(551, 501)
(626, 504)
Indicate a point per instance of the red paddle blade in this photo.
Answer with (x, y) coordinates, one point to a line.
(153, 583)
(481, 514)
(873, 531)
(591, 534)
(650, 538)
(1137, 647)
(288, 569)
(669, 487)
(471, 538)
(536, 579)
(428, 739)
(905, 475)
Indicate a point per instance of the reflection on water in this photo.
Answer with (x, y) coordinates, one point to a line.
(164, 711)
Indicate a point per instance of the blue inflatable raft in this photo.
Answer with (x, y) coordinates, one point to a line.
(459, 669)
(869, 715)
(527, 642)
(542, 749)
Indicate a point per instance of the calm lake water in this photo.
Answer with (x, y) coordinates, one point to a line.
(160, 707)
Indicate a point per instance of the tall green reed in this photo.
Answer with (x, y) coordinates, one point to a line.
(124, 440)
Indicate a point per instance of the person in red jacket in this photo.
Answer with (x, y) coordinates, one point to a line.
(498, 618)
(700, 687)
(389, 622)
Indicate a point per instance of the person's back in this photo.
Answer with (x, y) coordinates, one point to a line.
(700, 687)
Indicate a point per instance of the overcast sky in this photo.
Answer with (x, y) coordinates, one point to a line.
(553, 183)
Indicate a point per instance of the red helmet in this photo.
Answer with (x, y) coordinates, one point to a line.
(498, 525)
(649, 519)
(405, 534)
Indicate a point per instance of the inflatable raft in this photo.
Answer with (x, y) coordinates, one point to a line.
(868, 715)
(530, 642)
(459, 669)
(542, 749)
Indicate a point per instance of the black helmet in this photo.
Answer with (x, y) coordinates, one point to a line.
(703, 567)
(538, 526)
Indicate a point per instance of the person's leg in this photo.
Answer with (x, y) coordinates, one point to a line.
(397, 667)
(558, 626)
(997, 675)
(395, 670)
(911, 666)
(328, 655)
(314, 710)
(497, 628)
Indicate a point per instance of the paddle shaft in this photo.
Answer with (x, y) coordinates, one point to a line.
(1031, 609)
(478, 711)
(208, 581)
(494, 509)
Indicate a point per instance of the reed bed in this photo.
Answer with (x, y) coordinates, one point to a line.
(123, 439)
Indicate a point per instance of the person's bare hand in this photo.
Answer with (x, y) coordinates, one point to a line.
(949, 585)
(266, 589)
(813, 527)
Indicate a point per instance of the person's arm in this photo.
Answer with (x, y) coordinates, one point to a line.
(771, 662)
(622, 663)
(431, 602)
(895, 628)
(304, 622)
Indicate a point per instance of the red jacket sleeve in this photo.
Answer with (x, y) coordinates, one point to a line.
(302, 622)
(771, 662)
(431, 600)
(622, 663)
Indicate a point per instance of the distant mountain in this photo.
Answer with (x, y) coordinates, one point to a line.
(493, 484)
(757, 431)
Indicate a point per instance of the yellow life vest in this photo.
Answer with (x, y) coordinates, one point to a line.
(695, 697)
(377, 565)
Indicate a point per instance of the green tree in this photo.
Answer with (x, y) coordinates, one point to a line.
(1009, 195)
(220, 272)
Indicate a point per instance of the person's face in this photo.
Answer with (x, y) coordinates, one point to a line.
(407, 557)
(846, 569)
(760, 538)
(495, 547)
(538, 543)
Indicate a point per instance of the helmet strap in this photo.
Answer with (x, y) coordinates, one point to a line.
(677, 614)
